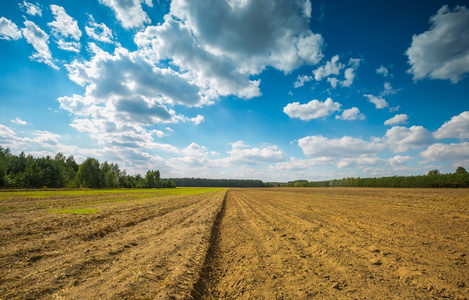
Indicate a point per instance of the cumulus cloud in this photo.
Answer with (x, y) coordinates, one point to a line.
(253, 34)
(215, 74)
(447, 152)
(241, 153)
(379, 102)
(19, 121)
(331, 67)
(442, 52)
(301, 80)
(302, 164)
(124, 94)
(351, 114)
(9, 139)
(130, 13)
(65, 28)
(31, 8)
(397, 119)
(349, 77)
(8, 30)
(312, 110)
(457, 127)
(334, 67)
(389, 90)
(344, 147)
(125, 74)
(362, 160)
(401, 139)
(98, 32)
(382, 71)
(39, 40)
(399, 160)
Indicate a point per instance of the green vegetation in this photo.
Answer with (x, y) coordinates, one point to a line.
(21, 171)
(433, 179)
(204, 182)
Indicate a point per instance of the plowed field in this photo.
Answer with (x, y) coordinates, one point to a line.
(340, 244)
(285, 243)
(133, 245)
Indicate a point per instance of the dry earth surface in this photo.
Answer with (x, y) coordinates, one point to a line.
(138, 246)
(273, 243)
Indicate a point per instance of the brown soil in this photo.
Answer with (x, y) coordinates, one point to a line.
(145, 249)
(340, 244)
(285, 243)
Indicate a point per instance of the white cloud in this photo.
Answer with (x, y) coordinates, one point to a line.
(301, 80)
(399, 160)
(311, 110)
(125, 75)
(65, 27)
(361, 161)
(334, 67)
(351, 114)
(333, 81)
(379, 102)
(389, 90)
(125, 93)
(253, 35)
(383, 71)
(98, 32)
(39, 40)
(197, 120)
(457, 127)
(8, 139)
(344, 147)
(8, 30)
(447, 152)
(401, 139)
(19, 121)
(130, 13)
(31, 8)
(397, 119)
(214, 74)
(331, 67)
(240, 153)
(302, 164)
(349, 77)
(442, 52)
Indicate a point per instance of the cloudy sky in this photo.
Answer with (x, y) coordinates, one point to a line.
(274, 90)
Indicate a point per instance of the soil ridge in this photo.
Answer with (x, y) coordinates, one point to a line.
(201, 286)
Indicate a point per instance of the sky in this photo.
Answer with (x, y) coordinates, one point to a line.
(274, 90)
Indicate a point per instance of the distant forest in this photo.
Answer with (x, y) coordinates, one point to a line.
(204, 182)
(433, 179)
(21, 171)
(26, 171)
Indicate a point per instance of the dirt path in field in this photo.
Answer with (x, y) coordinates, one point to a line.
(339, 244)
(142, 249)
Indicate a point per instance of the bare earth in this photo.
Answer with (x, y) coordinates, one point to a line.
(341, 244)
(144, 249)
(285, 243)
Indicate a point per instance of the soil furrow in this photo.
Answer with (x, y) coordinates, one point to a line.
(297, 244)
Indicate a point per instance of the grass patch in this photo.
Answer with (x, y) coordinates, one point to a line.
(77, 211)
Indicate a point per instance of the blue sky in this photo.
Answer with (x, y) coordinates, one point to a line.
(257, 89)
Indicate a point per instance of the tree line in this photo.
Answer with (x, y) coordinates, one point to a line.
(26, 171)
(204, 182)
(433, 179)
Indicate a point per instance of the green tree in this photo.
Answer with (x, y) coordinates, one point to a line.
(461, 170)
(90, 174)
(433, 172)
(4, 164)
(153, 179)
